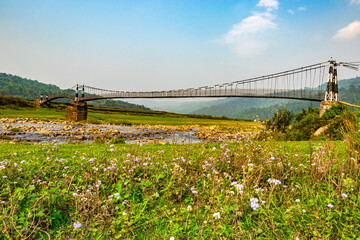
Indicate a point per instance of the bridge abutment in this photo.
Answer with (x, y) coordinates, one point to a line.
(77, 111)
(325, 105)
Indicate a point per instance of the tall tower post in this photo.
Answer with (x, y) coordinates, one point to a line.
(77, 93)
(331, 94)
(77, 111)
(83, 91)
(335, 84)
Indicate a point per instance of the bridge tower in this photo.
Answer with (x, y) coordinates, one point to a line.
(332, 92)
(83, 91)
(43, 102)
(78, 109)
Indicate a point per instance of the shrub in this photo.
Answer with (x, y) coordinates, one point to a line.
(280, 121)
(99, 140)
(117, 140)
(15, 129)
(305, 125)
(336, 117)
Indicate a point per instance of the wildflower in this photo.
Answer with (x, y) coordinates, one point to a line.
(216, 215)
(304, 210)
(239, 187)
(77, 225)
(189, 208)
(254, 203)
(15, 154)
(4, 176)
(297, 200)
(3, 202)
(232, 192)
(172, 238)
(111, 150)
(344, 195)
(274, 181)
(330, 205)
(15, 165)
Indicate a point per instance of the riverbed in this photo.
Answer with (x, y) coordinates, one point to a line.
(36, 131)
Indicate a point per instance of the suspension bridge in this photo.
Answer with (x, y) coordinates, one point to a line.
(316, 82)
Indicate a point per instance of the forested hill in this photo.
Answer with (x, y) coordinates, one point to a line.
(15, 86)
(249, 108)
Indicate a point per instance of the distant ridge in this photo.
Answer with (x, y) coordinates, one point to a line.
(15, 86)
(249, 108)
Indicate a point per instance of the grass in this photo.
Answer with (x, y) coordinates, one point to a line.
(131, 117)
(244, 190)
(198, 191)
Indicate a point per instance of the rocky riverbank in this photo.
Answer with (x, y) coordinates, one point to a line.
(37, 131)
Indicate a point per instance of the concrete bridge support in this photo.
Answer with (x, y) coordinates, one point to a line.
(325, 105)
(77, 111)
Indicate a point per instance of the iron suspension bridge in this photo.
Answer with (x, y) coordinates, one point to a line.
(315, 82)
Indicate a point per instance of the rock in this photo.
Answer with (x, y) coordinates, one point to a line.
(321, 131)
(80, 137)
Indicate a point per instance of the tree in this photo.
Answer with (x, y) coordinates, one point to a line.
(280, 121)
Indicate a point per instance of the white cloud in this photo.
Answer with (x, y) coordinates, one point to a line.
(349, 32)
(355, 1)
(291, 11)
(250, 25)
(302, 8)
(245, 36)
(270, 4)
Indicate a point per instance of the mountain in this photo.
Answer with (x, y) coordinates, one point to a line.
(15, 86)
(249, 108)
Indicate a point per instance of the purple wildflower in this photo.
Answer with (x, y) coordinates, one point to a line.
(77, 225)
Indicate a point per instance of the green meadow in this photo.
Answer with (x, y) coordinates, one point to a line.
(253, 187)
(119, 116)
(248, 189)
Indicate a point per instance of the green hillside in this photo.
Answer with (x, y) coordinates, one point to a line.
(249, 108)
(15, 86)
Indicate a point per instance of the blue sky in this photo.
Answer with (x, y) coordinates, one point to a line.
(158, 45)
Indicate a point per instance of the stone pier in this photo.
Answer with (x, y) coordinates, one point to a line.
(77, 111)
(325, 105)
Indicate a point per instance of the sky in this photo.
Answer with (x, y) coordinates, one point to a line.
(145, 45)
